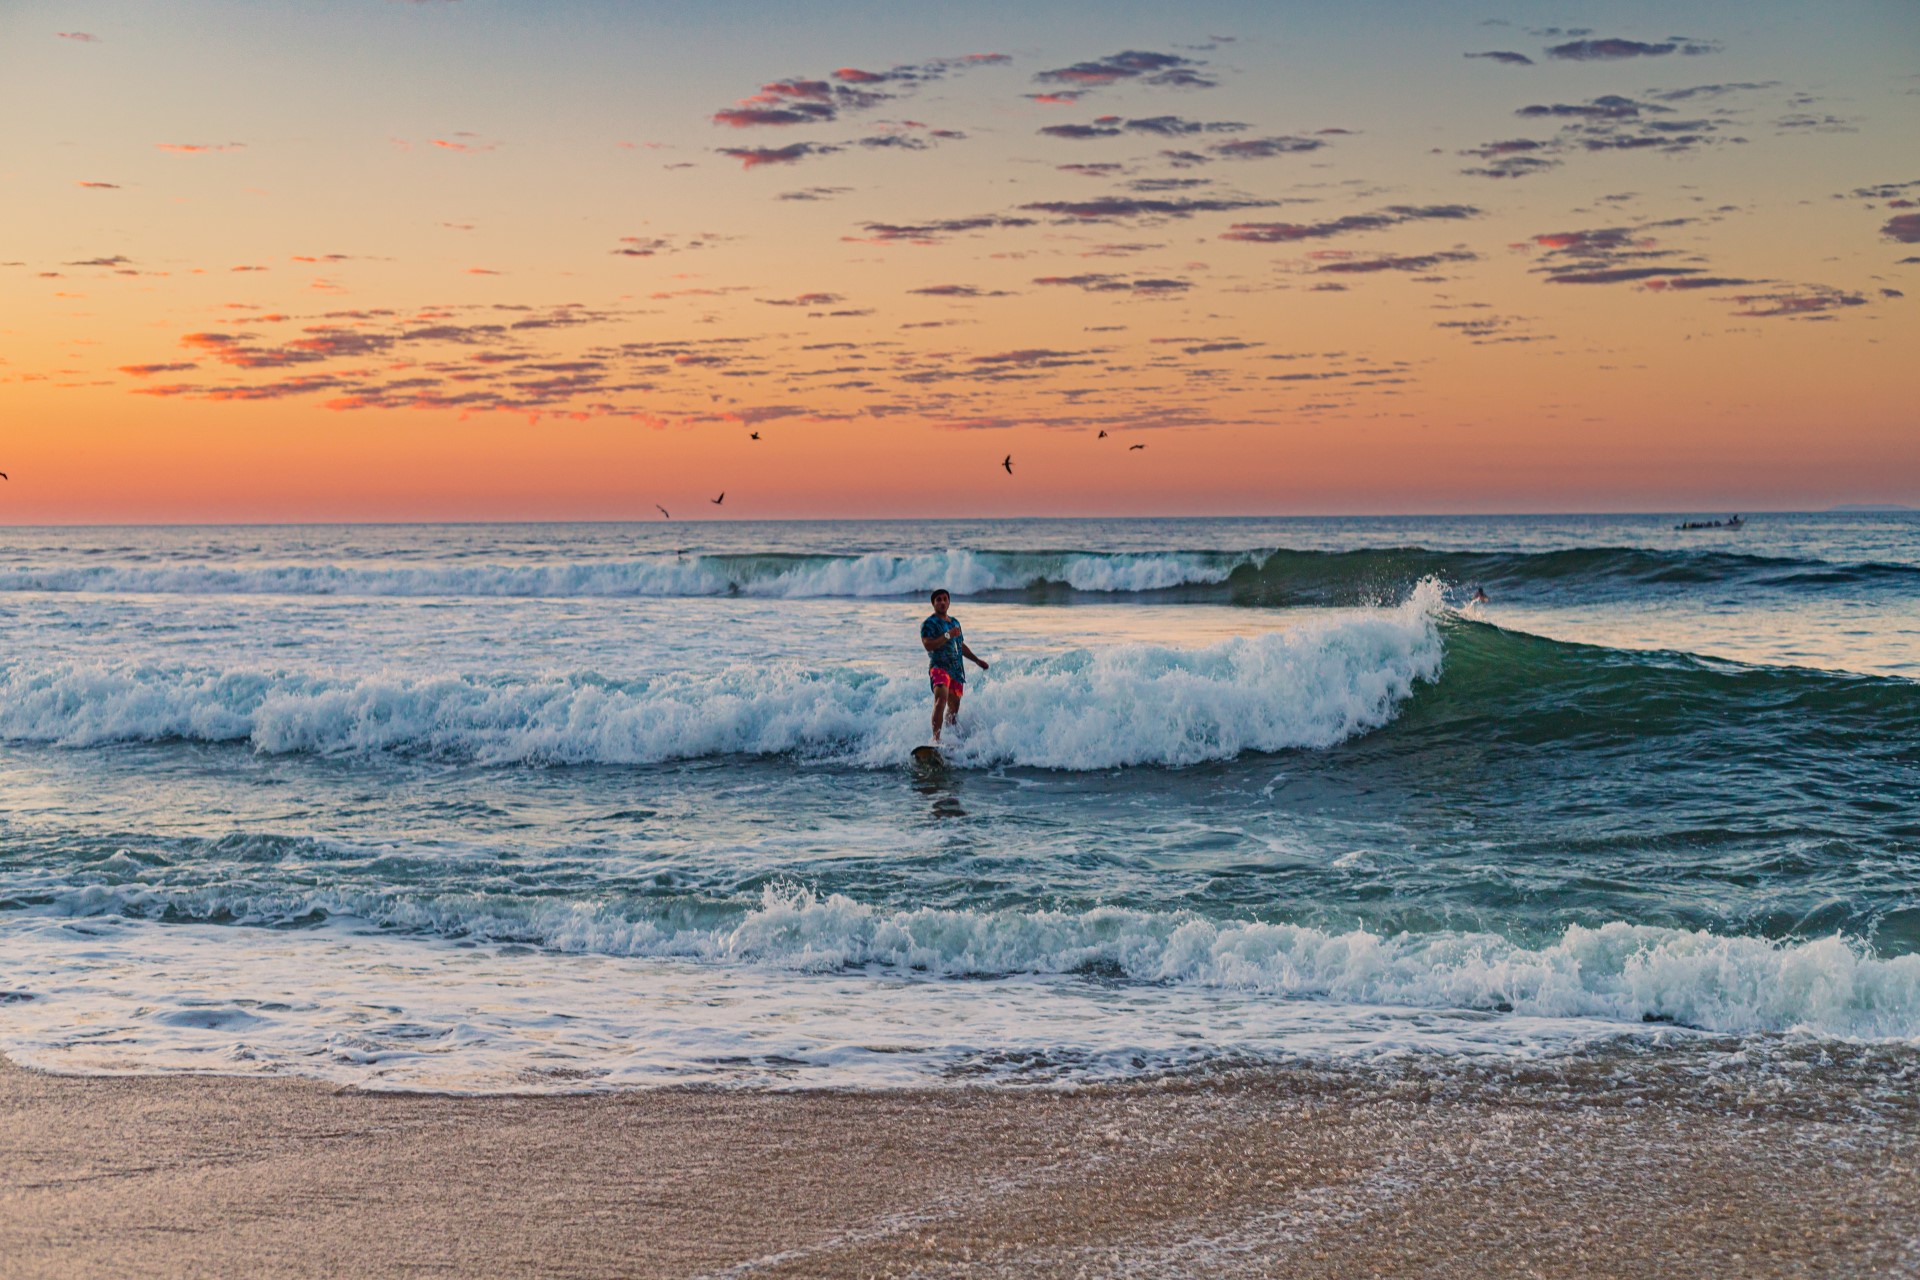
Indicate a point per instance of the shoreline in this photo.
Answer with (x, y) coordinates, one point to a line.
(1307, 1172)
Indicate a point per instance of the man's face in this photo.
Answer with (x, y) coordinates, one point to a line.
(940, 603)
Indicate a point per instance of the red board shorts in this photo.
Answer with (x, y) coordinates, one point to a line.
(940, 679)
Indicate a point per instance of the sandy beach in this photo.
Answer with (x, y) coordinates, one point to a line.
(1300, 1174)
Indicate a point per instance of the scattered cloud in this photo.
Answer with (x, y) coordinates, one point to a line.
(100, 186)
(654, 246)
(116, 260)
(1097, 282)
(1506, 56)
(960, 291)
(754, 157)
(936, 230)
(1079, 132)
(1683, 284)
(148, 370)
(804, 300)
(813, 193)
(1712, 90)
(1265, 148)
(1166, 70)
(464, 142)
(1391, 216)
(1613, 49)
(1905, 228)
(82, 37)
(197, 148)
(1121, 208)
(1513, 158)
(1610, 106)
(1397, 262)
(1814, 301)
(1178, 126)
(1885, 190)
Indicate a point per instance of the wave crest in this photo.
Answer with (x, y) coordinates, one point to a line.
(1313, 685)
(1830, 986)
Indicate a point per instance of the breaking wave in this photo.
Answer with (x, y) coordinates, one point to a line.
(1831, 986)
(1262, 576)
(1312, 685)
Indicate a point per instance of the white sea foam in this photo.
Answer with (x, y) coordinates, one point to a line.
(1312, 685)
(875, 574)
(1618, 973)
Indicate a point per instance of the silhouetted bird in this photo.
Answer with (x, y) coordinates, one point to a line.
(722, 498)
(1007, 462)
(1132, 447)
(1101, 436)
(754, 436)
(663, 511)
(3, 475)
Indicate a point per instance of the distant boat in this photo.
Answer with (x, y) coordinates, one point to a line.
(1734, 522)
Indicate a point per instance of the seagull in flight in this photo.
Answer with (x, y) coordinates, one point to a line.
(1101, 436)
(717, 501)
(754, 436)
(1007, 462)
(1132, 447)
(663, 511)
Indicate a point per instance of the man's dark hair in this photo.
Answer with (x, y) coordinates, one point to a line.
(939, 591)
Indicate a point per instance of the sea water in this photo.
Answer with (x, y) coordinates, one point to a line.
(533, 807)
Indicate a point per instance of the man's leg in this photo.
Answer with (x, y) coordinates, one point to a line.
(953, 705)
(939, 708)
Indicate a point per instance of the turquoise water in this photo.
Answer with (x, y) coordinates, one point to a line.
(578, 806)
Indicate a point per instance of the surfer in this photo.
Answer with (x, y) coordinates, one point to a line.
(1479, 596)
(940, 636)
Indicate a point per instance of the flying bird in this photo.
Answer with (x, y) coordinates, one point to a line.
(722, 498)
(1101, 436)
(3, 475)
(1132, 447)
(754, 436)
(663, 511)
(1007, 462)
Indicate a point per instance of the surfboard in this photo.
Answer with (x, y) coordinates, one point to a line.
(928, 758)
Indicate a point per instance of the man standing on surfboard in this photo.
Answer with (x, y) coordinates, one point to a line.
(940, 637)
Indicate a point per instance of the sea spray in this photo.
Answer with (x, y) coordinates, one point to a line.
(1309, 685)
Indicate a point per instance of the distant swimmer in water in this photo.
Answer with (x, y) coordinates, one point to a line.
(940, 636)
(1479, 596)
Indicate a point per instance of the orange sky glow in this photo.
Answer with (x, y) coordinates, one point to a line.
(471, 261)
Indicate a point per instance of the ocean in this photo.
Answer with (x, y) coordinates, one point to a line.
(564, 807)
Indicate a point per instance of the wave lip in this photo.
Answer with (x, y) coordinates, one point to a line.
(1309, 686)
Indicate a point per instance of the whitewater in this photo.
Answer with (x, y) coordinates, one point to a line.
(539, 807)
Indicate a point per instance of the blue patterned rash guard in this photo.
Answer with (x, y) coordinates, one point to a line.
(947, 656)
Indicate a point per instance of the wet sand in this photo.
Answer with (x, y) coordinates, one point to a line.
(1274, 1173)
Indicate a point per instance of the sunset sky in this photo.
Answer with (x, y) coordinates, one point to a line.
(474, 259)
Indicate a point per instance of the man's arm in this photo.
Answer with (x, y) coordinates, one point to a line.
(930, 643)
(970, 654)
